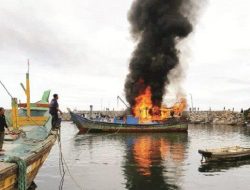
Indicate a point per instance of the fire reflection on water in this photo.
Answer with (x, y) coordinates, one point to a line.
(147, 151)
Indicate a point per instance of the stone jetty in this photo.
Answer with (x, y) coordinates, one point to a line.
(216, 117)
(224, 117)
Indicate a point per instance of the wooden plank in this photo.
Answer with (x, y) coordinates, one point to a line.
(41, 105)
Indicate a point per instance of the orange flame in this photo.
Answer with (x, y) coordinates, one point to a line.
(147, 112)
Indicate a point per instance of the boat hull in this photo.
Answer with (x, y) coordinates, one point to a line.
(33, 147)
(9, 171)
(86, 125)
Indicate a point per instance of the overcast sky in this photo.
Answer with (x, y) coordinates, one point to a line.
(81, 49)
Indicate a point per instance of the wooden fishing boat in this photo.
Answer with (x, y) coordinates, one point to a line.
(26, 152)
(225, 154)
(87, 125)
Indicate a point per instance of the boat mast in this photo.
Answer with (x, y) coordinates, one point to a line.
(119, 98)
(27, 91)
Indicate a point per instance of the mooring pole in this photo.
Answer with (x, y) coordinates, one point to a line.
(191, 101)
(28, 90)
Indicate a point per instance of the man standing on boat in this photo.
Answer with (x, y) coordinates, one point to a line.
(3, 125)
(53, 110)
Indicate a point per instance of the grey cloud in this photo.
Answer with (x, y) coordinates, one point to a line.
(37, 38)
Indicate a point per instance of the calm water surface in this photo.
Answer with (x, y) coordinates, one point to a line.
(146, 161)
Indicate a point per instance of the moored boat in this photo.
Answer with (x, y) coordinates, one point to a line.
(29, 143)
(88, 125)
(225, 154)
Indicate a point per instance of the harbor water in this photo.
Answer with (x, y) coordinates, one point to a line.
(146, 161)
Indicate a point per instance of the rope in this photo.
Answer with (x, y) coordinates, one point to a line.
(71, 176)
(93, 136)
(30, 117)
(21, 179)
(110, 134)
(63, 164)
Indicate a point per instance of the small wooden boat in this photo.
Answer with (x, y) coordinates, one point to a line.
(225, 154)
(87, 125)
(29, 144)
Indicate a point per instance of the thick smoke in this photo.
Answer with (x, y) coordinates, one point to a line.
(157, 25)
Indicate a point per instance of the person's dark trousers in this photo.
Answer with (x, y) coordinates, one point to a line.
(1, 140)
(55, 119)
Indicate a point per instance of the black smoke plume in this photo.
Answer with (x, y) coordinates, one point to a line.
(157, 25)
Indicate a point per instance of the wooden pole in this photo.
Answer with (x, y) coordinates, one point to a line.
(14, 113)
(28, 92)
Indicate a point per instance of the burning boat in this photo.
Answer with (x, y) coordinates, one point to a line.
(129, 126)
(157, 27)
(145, 117)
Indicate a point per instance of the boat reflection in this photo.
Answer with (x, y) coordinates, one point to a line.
(154, 161)
(222, 166)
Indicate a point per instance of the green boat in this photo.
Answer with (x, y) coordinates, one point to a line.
(28, 144)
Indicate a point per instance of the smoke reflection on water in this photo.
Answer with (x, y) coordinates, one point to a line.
(146, 161)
